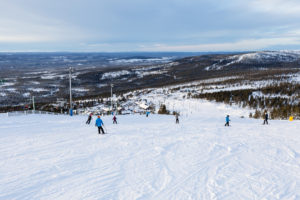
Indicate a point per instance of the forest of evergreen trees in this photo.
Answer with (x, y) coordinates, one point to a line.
(280, 100)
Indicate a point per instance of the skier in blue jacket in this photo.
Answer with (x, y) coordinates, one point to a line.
(99, 124)
(147, 113)
(227, 120)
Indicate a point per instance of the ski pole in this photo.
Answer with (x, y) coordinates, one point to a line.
(105, 129)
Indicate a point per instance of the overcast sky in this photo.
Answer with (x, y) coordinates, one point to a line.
(149, 25)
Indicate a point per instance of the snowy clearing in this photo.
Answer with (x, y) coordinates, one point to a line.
(37, 89)
(141, 60)
(115, 74)
(80, 89)
(60, 157)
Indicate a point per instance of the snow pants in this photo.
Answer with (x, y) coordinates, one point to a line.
(100, 129)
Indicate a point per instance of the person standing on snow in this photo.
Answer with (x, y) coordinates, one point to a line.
(115, 120)
(227, 120)
(266, 118)
(147, 113)
(177, 118)
(89, 119)
(99, 124)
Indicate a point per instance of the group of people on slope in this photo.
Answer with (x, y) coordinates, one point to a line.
(266, 118)
(99, 122)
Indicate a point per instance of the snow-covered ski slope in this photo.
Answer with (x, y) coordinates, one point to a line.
(60, 157)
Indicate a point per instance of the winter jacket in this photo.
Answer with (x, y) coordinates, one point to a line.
(227, 119)
(99, 122)
(266, 117)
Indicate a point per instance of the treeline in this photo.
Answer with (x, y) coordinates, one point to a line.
(282, 88)
(280, 100)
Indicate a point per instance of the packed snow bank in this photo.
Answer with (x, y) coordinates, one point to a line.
(60, 157)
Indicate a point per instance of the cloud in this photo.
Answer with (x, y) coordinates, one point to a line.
(18, 25)
(132, 25)
(242, 45)
(22, 38)
(281, 7)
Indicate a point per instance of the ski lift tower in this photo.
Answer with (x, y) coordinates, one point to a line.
(111, 98)
(1, 83)
(33, 103)
(231, 100)
(70, 81)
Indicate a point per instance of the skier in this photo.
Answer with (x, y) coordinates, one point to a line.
(147, 113)
(227, 120)
(99, 124)
(266, 118)
(177, 118)
(115, 120)
(89, 119)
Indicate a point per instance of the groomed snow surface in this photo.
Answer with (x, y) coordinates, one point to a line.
(60, 157)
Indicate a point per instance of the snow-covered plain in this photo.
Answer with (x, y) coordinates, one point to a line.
(60, 157)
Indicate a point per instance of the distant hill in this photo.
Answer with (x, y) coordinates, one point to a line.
(45, 75)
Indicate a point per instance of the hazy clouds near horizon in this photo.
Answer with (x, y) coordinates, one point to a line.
(149, 25)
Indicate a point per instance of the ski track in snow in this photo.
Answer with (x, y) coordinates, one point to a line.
(60, 157)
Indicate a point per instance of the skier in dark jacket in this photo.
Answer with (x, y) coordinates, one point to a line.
(266, 118)
(99, 124)
(115, 120)
(227, 120)
(89, 119)
(177, 118)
